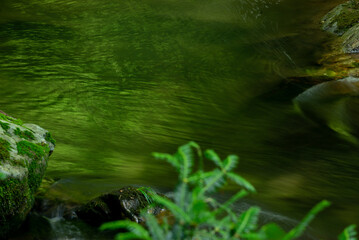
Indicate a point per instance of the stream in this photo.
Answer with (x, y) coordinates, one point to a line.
(114, 81)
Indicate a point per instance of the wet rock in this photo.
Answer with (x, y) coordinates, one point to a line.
(351, 40)
(125, 203)
(341, 18)
(334, 104)
(24, 152)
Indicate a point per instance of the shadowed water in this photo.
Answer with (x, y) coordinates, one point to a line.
(116, 80)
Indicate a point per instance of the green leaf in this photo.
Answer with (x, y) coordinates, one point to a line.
(272, 231)
(200, 176)
(212, 155)
(241, 181)
(247, 221)
(127, 236)
(168, 158)
(185, 154)
(155, 229)
(176, 210)
(228, 203)
(298, 230)
(214, 182)
(230, 163)
(133, 227)
(349, 233)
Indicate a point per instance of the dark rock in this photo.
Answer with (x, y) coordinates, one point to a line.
(125, 203)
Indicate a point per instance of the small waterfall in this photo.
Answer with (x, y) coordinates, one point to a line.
(63, 229)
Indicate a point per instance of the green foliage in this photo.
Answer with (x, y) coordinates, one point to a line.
(199, 216)
(147, 192)
(24, 134)
(349, 233)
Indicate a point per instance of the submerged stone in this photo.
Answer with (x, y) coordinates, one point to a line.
(341, 18)
(24, 153)
(333, 103)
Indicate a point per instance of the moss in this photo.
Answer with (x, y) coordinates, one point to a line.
(32, 150)
(11, 119)
(4, 125)
(347, 19)
(15, 203)
(4, 149)
(49, 138)
(36, 169)
(24, 134)
(341, 18)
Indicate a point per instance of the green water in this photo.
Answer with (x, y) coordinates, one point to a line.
(116, 80)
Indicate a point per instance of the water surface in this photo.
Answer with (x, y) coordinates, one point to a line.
(116, 80)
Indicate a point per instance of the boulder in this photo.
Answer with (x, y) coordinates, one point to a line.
(125, 203)
(351, 40)
(24, 152)
(341, 18)
(334, 104)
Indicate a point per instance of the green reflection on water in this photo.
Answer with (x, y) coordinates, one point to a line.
(116, 81)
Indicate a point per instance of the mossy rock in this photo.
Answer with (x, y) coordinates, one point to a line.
(125, 203)
(351, 40)
(24, 152)
(341, 18)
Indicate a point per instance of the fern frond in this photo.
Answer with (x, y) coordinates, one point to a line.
(230, 163)
(298, 230)
(226, 206)
(217, 180)
(247, 221)
(241, 181)
(186, 154)
(195, 178)
(147, 192)
(133, 227)
(212, 155)
(349, 233)
(154, 228)
(176, 210)
(127, 236)
(199, 153)
(168, 158)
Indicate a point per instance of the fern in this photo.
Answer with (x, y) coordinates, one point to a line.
(230, 163)
(137, 230)
(154, 228)
(298, 230)
(247, 221)
(212, 155)
(199, 216)
(349, 233)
